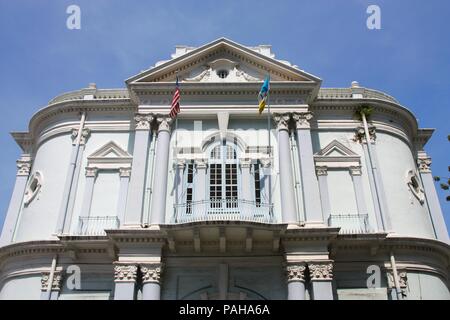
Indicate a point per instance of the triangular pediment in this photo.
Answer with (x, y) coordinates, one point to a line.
(223, 61)
(336, 149)
(110, 152)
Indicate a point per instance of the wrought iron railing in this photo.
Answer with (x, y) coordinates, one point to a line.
(223, 210)
(96, 226)
(350, 223)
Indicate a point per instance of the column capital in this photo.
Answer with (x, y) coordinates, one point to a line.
(295, 272)
(319, 271)
(85, 134)
(151, 272)
(143, 121)
(245, 163)
(125, 273)
(56, 284)
(180, 163)
(164, 122)
(355, 170)
(266, 162)
(424, 164)
(302, 120)
(91, 172)
(360, 134)
(282, 120)
(125, 172)
(200, 163)
(23, 166)
(402, 278)
(321, 170)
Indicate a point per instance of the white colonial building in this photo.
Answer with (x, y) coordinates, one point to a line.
(115, 200)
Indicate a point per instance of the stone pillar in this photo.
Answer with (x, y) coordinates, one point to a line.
(296, 281)
(247, 186)
(52, 294)
(310, 187)
(125, 174)
(356, 173)
(125, 280)
(434, 208)
(266, 179)
(91, 174)
(321, 275)
(179, 167)
(158, 207)
(15, 204)
(151, 277)
(322, 173)
(288, 206)
(135, 197)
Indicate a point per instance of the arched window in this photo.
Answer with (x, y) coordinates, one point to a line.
(223, 176)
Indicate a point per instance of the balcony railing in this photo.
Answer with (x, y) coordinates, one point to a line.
(223, 210)
(350, 223)
(96, 226)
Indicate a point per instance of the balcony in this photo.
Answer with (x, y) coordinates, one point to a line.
(350, 223)
(223, 210)
(96, 226)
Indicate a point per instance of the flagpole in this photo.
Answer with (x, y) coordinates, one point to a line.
(270, 146)
(176, 154)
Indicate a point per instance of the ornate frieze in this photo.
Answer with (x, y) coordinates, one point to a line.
(424, 165)
(320, 271)
(85, 134)
(125, 273)
(282, 121)
(322, 170)
(295, 272)
(302, 120)
(56, 283)
(163, 122)
(355, 170)
(360, 134)
(143, 121)
(151, 272)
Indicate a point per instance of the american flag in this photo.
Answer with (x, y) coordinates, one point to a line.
(175, 109)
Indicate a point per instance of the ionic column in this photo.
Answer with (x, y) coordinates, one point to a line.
(15, 204)
(310, 187)
(179, 167)
(125, 174)
(151, 276)
(434, 208)
(356, 173)
(91, 174)
(288, 207)
(158, 207)
(135, 197)
(200, 183)
(125, 280)
(296, 281)
(322, 176)
(55, 289)
(321, 275)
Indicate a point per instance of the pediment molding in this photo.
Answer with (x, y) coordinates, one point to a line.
(336, 155)
(110, 156)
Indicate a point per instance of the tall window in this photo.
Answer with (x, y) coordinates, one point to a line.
(223, 176)
(257, 177)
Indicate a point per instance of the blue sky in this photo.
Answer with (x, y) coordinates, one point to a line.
(40, 58)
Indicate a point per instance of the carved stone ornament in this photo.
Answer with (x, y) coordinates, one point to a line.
(33, 187)
(125, 172)
(360, 134)
(424, 165)
(143, 121)
(402, 279)
(355, 170)
(302, 120)
(91, 172)
(85, 134)
(125, 273)
(164, 123)
(322, 171)
(321, 271)
(295, 272)
(281, 121)
(201, 163)
(266, 162)
(23, 167)
(151, 272)
(56, 284)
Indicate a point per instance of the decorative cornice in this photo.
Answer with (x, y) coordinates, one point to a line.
(282, 120)
(56, 284)
(125, 273)
(164, 122)
(295, 272)
(424, 164)
(143, 121)
(302, 120)
(320, 271)
(151, 272)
